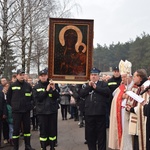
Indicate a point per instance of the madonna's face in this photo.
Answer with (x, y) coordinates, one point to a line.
(70, 38)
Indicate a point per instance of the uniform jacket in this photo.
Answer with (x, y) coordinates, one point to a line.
(45, 101)
(3, 109)
(95, 99)
(113, 83)
(19, 96)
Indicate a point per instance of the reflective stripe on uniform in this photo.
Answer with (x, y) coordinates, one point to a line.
(50, 95)
(52, 138)
(41, 89)
(27, 134)
(112, 83)
(15, 137)
(43, 139)
(16, 88)
(27, 94)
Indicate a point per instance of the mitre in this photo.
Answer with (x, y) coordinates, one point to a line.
(125, 67)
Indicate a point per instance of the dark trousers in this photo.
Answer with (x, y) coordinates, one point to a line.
(48, 127)
(135, 142)
(24, 120)
(34, 122)
(74, 112)
(5, 129)
(81, 116)
(19, 118)
(0, 129)
(107, 115)
(56, 123)
(95, 130)
(64, 109)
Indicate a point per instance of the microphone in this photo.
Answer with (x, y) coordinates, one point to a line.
(146, 89)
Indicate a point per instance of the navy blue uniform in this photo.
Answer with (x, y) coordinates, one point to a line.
(95, 111)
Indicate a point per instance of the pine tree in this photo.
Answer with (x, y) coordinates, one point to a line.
(10, 62)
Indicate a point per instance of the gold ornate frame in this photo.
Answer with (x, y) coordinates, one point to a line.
(70, 50)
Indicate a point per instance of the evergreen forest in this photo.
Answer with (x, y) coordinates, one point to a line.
(137, 52)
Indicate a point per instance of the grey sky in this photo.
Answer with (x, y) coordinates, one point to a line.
(116, 20)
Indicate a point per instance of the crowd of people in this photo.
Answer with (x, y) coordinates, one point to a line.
(119, 102)
(26, 106)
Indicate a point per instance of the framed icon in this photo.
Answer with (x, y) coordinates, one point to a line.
(70, 49)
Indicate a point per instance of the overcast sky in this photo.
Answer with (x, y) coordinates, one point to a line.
(116, 20)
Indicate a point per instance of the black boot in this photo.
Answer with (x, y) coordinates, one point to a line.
(43, 145)
(52, 144)
(16, 144)
(28, 147)
(27, 143)
(11, 142)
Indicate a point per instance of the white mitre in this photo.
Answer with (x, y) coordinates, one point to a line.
(125, 67)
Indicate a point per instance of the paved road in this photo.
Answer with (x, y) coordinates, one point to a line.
(70, 137)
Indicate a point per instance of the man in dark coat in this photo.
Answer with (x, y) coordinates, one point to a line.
(19, 96)
(113, 83)
(147, 113)
(3, 111)
(95, 94)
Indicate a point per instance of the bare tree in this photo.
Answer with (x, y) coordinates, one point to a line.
(53, 8)
(25, 28)
(5, 39)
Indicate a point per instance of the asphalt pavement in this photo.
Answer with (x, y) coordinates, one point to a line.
(70, 137)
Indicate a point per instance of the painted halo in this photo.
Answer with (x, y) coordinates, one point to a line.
(79, 37)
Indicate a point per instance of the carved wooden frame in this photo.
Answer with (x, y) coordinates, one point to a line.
(74, 67)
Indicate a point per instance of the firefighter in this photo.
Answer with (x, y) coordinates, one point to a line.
(45, 96)
(19, 96)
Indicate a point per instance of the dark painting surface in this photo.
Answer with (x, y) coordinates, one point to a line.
(70, 49)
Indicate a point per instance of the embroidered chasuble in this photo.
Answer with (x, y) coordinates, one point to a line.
(115, 130)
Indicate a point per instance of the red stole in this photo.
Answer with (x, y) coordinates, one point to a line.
(119, 118)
